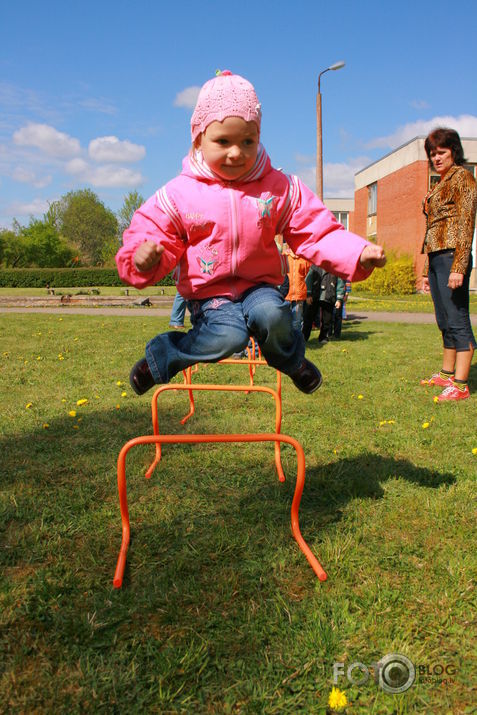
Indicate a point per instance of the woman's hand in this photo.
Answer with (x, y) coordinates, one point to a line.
(372, 256)
(455, 280)
(147, 256)
(425, 284)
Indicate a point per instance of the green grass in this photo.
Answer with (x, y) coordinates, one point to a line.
(219, 611)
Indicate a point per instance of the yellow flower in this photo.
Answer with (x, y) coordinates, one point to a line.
(45, 425)
(337, 699)
(124, 394)
(436, 399)
(118, 406)
(360, 397)
(75, 427)
(28, 405)
(81, 402)
(63, 399)
(72, 413)
(60, 356)
(474, 451)
(60, 319)
(425, 425)
(39, 357)
(119, 383)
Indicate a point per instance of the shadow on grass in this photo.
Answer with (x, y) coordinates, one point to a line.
(61, 473)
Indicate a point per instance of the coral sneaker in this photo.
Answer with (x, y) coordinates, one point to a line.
(436, 379)
(453, 393)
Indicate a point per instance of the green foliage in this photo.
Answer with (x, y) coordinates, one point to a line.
(132, 202)
(85, 221)
(38, 244)
(64, 277)
(397, 277)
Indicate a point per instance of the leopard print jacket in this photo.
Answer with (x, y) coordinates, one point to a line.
(450, 211)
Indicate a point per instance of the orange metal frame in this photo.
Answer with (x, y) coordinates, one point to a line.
(222, 388)
(187, 439)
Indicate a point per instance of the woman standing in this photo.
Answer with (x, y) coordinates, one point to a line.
(450, 210)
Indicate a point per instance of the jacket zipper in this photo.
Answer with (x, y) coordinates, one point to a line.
(235, 238)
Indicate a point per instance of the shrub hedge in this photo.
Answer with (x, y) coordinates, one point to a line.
(397, 276)
(63, 277)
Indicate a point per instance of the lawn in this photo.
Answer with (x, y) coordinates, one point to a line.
(220, 611)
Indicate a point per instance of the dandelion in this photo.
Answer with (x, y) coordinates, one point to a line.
(97, 397)
(124, 394)
(63, 399)
(337, 699)
(60, 319)
(360, 397)
(118, 406)
(45, 425)
(474, 451)
(83, 401)
(72, 413)
(39, 357)
(119, 383)
(425, 425)
(60, 356)
(435, 399)
(28, 405)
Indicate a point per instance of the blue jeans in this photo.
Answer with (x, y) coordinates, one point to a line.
(451, 306)
(178, 310)
(297, 313)
(221, 327)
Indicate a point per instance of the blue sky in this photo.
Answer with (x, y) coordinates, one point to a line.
(98, 94)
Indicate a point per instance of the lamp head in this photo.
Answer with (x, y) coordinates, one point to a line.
(337, 65)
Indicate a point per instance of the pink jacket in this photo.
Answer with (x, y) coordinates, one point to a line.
(219, 236)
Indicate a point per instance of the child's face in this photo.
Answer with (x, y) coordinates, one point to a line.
(230, 147)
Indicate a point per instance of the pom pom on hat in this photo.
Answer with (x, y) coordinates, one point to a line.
(226, 95)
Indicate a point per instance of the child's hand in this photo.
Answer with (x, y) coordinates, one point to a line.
(147, 256)
(372, 256)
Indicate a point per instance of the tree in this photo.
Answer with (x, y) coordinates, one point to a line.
(132, 202)
(85, 221)
(36, 245)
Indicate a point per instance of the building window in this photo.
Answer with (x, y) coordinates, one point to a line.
(342, 217)
(372, 199)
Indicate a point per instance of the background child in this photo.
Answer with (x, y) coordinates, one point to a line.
(215, 224)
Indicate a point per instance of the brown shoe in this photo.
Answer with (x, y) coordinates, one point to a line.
(140, 377)
(307, 378)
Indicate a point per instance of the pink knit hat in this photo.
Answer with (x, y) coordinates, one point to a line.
(227, 95)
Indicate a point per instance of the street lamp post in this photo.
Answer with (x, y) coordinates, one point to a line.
(319, 132)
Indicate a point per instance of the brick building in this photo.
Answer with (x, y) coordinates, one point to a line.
(388, 200)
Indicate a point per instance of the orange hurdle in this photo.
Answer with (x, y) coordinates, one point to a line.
(252, 363)
(222, 388)
(187, 439)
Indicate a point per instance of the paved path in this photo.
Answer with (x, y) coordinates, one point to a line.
(380, 317)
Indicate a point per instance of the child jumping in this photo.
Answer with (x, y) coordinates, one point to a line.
(215, 224)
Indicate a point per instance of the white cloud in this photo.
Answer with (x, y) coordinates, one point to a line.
(465, 125)
(111, 149)
(187, 98)
(36, 207)
(48, 139)
(107, 176)
(338, 178)
(115, 176)
(419, 104)
(27, 176)
(77, 166)
(95, 104)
